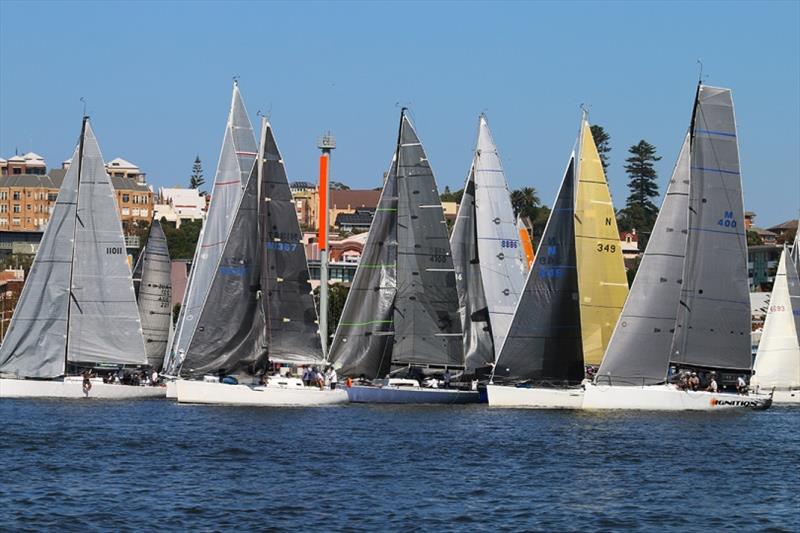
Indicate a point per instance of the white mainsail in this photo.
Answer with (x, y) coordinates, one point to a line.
(778, 359)
(78, 304)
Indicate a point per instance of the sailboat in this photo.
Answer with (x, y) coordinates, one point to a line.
(576, 285)
(777, 365)
(400, 321)
(154, 294)
(77, 309)
(689, 305)
(487, 256)
(259, 308)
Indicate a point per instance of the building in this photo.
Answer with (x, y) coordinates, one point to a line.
(355, 222)
(766, 236)
(179, 205)
(30, 163)
(784, 230)
(762, 264)
(11, 283)
(26, 200)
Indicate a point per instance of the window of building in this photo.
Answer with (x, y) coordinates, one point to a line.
(17, 208)
(4, 195)
(4, 208)
(17, 171)
(16, 195)
(3, 221)
(28, 194)
(28, 220)
(52, 197)
(126, 211)
(15, 221)
(30, 207)
(136, 211)
(126, 198)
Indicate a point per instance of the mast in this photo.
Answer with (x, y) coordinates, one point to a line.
(74, 231)
(326, 143)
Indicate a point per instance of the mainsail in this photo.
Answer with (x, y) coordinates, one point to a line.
(544, 341)
(713, 324)
(78, 304)
(639, 350)
(155, 295)
(403, 305)
(601, 270)
(486, 246)
(778, 359)
(289, 312)
(235, 166)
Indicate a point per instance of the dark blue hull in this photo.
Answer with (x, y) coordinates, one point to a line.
(409, 395)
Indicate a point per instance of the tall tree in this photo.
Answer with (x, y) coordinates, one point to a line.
(603, 142)
(640, 212)
(525, 202)
(196, 179)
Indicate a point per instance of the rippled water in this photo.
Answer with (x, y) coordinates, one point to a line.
(92, 465)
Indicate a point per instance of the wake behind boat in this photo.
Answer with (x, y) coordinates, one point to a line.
(77, 310)
(689, 307)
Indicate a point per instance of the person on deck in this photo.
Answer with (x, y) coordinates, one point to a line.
(694, 382)
(446, 378)
(331, 377)
(741, 385)
(87, 382)
(712, 385)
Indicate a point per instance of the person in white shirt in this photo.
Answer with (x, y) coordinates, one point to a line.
(741, 385)
(712, 385)
(331, 377)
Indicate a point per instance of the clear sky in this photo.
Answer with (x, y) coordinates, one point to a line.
(157, 78)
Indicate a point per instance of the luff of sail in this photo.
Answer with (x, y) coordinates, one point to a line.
(778, 359)
(155, 295)
(292, 330)
(713, 324)
(499, 250)
(236, 162)
(639, 351)
(544, 340)
(601, 270)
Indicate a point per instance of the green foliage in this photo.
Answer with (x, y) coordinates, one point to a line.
(631, 272)
(337, 295)
(339, 186)
(538, 224)
(17, 261)
(603, 142)
(525, 202)
(448, 196)
(196, 179)
(753, 239)
(640, 212)
(182, 241)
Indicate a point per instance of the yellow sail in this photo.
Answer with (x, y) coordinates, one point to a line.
(602, 283)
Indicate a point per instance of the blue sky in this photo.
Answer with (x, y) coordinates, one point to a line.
(157, 80)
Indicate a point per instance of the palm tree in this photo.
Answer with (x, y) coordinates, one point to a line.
(525, 202)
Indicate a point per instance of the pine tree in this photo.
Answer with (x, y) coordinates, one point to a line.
(640, 212)
(196, 179)
(602, 140)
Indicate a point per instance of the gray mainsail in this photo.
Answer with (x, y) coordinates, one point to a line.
(713, 324)
(292, 329)
(78, 304)
(34, 345)
(475, 324)
(544, 341)
(155, 295)
(229, 332)
(408, 267)
(639, 350)
(104, 323)
(236, 162)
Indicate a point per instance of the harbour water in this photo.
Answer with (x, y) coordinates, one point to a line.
(92, 465)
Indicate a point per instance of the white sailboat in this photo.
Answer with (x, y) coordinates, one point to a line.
(689, 306)
(576, 285)
(777, 365)
(154, 294)
(78, 309)
(259, 308)
(488, 256)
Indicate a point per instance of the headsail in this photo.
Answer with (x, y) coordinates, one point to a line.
(778, 360)
(639, 350)
(527, 245)
(544, 341)
(155, 295)
(404, 286)
(601, 270)
(713, 325)
(290, 315)
(235, 165)
(34, 345)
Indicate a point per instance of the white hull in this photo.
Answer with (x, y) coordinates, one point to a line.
(73, 388)
(667, 398)
(786, 396)
(204, 392)
(534, 398)
(172, 389)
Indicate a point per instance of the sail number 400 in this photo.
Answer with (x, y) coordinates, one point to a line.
(611, 248)
(727, 220)
(115, 250)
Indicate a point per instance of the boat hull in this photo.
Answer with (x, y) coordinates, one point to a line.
(73, 389)
(667, 398)
(172, 389)
(204, 392)
(534, 398)
(786, 396)
(410, 395)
